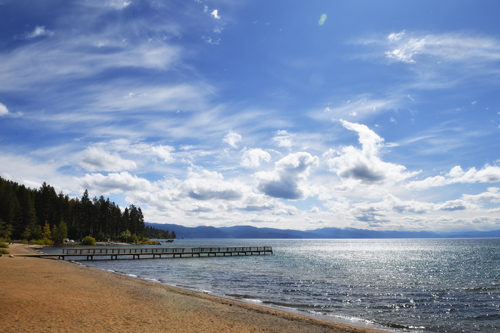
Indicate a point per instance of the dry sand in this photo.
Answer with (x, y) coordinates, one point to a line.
(45, 295)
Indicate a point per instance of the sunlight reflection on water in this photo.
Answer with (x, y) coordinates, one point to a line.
(405, 284)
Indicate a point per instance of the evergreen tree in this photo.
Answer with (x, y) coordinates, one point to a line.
(25, 211)
(5, 229)
(28, 211)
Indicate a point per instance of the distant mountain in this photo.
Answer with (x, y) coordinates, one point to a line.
(324, 233)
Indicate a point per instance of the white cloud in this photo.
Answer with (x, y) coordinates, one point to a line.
(106, 4)
(164, 153)
(55, 61)
(215, 14)
(365, 165)
(394, 37)
(450, 47)
(359, 109)
(153, 98)
(118, 4)
(283, 139)
(455, 205)
(377, 212)
(97, 159)
(27, 169)
(412, 206)
(251, 158)
(209, 40)
(488, 174)
(3, 110)
(232, 138)
(286, 181)
(493, 195)
(207, 185)
(37, 32)
(383, 211)
(114, 183)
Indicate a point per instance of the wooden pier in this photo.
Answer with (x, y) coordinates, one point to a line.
(152, 253)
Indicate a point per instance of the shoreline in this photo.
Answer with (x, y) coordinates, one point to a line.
(62, 296)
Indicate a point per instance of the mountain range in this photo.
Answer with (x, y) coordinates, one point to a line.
(323, 233)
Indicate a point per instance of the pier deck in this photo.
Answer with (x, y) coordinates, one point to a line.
(152, 253)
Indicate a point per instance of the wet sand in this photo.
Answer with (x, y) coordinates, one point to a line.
(57, 296)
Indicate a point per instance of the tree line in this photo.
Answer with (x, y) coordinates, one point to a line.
(27, 213)
(152, 232)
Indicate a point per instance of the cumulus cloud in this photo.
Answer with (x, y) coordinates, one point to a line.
(207, 185)
(454, 205)
(488, 174)
(251, 158)
(379, 211)
(97, 159)
(364, 164)
(412, 206)
(164, 153)
(492, 195)
(232, 138)
(3, 110)
(257, 203)
(114, 183)
(286, 180)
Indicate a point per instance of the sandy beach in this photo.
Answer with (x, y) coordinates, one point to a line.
(58, 296)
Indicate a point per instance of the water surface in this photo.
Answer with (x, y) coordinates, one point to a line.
(409, 285)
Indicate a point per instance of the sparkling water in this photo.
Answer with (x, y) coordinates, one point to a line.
(407, 285)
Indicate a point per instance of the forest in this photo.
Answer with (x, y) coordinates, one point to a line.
(42, 213)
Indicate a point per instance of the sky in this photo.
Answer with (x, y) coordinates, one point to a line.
(381, 115)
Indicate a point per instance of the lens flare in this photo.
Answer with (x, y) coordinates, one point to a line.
(322, 19)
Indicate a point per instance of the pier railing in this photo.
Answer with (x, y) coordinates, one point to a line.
(166, 252)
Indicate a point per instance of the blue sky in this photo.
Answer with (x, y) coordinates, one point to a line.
(283, 114)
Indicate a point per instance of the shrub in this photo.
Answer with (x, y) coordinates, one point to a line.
(149, 242)
(3, 251)
(125, 236)
(43, 241)
(4, 243)
(25, 241)
(101, 237)
(89, 240)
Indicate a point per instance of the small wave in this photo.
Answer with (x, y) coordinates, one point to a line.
(131, 275)
(256, 301)
(152, 280)
(359, 321)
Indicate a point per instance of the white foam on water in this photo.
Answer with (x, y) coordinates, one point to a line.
(256, 301)
(152, 280)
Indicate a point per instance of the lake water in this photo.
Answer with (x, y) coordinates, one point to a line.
(405, 285)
